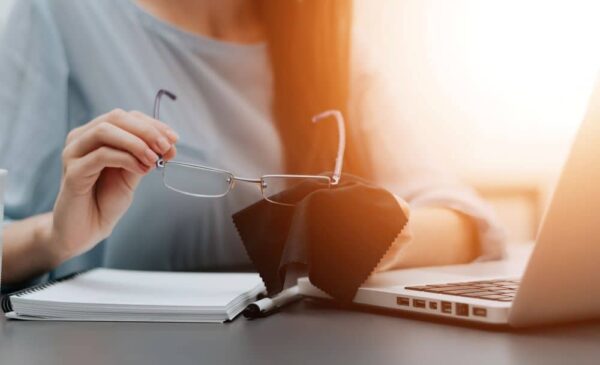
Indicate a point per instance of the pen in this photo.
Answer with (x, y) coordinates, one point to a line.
(266, 306)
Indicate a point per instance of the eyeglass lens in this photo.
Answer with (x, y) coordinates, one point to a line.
(205, 182)
(196, 181)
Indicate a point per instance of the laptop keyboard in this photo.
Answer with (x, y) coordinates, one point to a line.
(501, 290)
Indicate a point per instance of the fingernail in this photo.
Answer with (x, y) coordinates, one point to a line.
(163, 144)
(151, 157)
(173, 136)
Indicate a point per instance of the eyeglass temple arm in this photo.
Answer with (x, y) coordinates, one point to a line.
(159, 95)
(339, 160)
(156, 114)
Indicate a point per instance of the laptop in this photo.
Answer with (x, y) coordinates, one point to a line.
(558, 281)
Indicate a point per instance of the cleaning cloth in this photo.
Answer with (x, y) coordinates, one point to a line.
(338, 234)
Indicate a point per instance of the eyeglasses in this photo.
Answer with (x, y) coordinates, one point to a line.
(209, 182)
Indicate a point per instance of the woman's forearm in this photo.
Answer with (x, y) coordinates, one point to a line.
(438, 236)
(27, 250)
(441, 236)
(103, 162)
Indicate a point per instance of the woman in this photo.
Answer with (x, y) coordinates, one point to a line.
(249, 75)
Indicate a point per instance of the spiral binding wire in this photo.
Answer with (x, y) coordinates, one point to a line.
(5, 303)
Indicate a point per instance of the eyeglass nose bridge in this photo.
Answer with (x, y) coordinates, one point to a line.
(262, 185)
(246, 179)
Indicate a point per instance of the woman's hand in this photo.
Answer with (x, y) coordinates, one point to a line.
(454, 240)
(103, 162)
(393, 256)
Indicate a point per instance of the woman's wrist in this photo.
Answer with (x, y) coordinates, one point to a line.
(51, 254)
(393, 256)
(29, 249)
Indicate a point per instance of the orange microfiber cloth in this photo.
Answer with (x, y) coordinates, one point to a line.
(337, 234)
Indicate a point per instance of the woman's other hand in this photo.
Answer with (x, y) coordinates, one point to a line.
(452, 240)
(103, 162)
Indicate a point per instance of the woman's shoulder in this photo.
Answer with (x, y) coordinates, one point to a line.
(53, 8)
(64, 6)
(65, 15)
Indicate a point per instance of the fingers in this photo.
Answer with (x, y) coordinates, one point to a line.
(82, 173)
(131, 132)
(170, 133)
(170, 153)
(157, 135)
(107, 134)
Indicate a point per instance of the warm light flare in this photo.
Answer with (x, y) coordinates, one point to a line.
(501, 84)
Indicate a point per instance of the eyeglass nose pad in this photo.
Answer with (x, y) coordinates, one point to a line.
(231, 182)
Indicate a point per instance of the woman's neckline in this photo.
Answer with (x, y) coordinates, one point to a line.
(193, 39)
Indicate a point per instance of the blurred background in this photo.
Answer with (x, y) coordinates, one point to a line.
(498, 87)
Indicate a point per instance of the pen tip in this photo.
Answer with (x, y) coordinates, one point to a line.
(251, 311)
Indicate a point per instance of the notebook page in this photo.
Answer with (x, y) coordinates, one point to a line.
(145, 288)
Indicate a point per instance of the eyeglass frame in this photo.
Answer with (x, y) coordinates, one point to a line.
(332, 181)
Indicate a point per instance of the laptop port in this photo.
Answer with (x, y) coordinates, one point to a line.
(402, 301)
(446, 307)
(479, 312)
(433, 305)
(418, 303)
(462, 309)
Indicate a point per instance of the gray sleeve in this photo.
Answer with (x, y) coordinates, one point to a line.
(33, 108)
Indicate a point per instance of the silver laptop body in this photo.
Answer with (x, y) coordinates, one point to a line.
(558, 282)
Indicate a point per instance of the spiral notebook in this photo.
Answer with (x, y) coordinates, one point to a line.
(144, 296)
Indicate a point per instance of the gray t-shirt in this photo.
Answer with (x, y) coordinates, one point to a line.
(64, 62)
